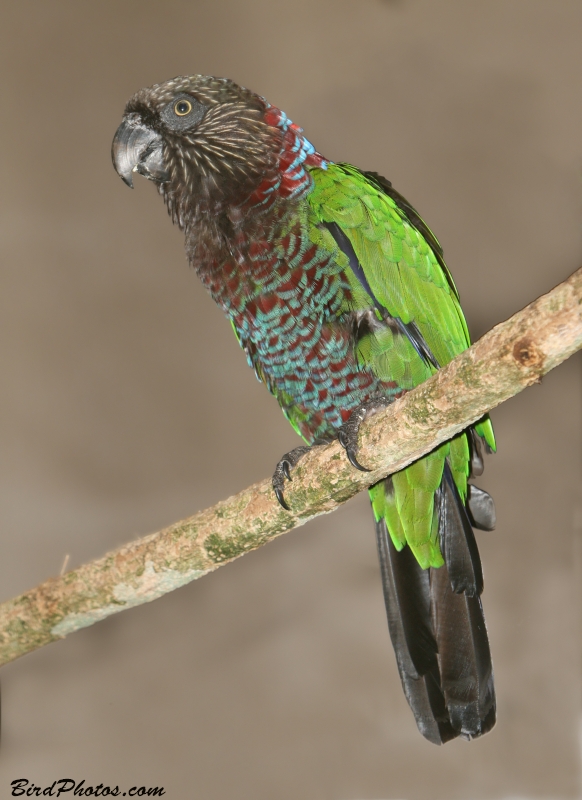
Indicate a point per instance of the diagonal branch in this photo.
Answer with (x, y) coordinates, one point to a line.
(512, 356)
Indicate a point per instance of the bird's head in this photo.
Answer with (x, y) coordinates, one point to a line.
(201, 139)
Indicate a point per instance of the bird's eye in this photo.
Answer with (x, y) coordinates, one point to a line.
(183, 113)
(183, 108)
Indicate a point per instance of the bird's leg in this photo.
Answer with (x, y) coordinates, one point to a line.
(348, 433)
(347, 436)
(283, 472)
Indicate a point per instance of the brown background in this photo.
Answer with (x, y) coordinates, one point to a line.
(127, 403)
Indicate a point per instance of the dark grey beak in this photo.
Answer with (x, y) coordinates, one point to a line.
(137, 148)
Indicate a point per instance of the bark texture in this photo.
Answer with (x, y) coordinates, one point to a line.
(510, 357)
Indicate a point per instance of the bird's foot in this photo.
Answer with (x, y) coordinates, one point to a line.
(283, 472)
(349, 431)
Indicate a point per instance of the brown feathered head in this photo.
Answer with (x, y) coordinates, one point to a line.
(203, 140)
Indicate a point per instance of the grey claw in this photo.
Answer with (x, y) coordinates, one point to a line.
(353, 461)
(348, 433)
(281, 499)
(283, 472)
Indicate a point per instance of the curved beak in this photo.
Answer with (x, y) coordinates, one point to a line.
(137, 148)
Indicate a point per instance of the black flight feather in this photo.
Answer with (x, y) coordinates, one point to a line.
(457, 539)
(437, 626)
(464, 657)
(408, 605)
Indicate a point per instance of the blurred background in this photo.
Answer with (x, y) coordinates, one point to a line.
(127, 403)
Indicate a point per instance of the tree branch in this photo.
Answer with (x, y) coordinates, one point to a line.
(506, 360)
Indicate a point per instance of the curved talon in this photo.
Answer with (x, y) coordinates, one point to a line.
(281, 498)
(354, 462)
(346, 441)
(283, 471)
(348, 433)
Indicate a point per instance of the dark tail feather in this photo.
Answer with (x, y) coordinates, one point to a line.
(457, 539)
(408, 605)
(464, 657)
(438, 629)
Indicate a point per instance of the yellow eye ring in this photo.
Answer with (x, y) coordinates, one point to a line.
(183, 108)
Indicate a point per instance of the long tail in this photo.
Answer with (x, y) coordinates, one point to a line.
(437, 625)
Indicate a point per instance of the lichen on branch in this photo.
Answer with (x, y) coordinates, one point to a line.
(506, 360)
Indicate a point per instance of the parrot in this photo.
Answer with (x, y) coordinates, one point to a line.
(339, 295)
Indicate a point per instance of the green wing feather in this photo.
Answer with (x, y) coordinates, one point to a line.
(403, 265)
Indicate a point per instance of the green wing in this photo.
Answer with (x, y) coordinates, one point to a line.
(405, 277)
